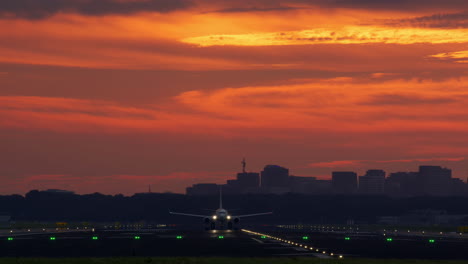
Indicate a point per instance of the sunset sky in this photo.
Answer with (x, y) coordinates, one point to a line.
(113, 95)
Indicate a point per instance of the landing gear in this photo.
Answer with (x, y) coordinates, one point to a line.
(213, 226)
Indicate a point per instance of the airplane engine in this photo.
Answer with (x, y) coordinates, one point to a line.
(206, 220)
(236, 220)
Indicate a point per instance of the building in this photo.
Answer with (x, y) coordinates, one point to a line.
(372, 183)
(275, 179)
(248, 182)
(203, 189)
(402, 184)
(344, 182)
(435, 180)
(302, 185)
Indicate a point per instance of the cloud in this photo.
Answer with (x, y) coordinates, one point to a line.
(33, 9)
(405, 99)
(361, 163)
(399, 5)
(330, 105)
(456, 56)
(341, 35)
(256, 9)
(454, 20)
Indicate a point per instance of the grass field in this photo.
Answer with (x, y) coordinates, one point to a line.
(218, 260)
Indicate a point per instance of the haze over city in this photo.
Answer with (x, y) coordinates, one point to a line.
(112, 96)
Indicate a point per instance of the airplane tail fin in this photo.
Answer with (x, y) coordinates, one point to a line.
(220, 197)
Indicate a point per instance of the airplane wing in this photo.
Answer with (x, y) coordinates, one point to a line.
(249, 215)
(194, 215)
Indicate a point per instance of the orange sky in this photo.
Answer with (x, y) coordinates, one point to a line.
(111, 96)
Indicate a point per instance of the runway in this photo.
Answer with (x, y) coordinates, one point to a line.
(253, 242)
(164, 243)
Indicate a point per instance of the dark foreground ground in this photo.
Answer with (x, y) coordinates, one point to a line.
(195, 246)
(202, 260)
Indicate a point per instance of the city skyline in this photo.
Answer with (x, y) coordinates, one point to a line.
(428, 180)
(114, 95)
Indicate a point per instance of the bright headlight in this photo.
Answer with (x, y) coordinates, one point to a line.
(214, 217)
(228, 217)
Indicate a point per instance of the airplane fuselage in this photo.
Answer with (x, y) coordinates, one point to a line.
(221, 215)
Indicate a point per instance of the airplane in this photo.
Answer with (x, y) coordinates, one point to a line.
(221, 218)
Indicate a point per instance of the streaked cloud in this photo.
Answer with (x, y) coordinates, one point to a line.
(454, 20)
(345, 35)
(361, 163)
(407, 99)
(32, 9)
(456, 56)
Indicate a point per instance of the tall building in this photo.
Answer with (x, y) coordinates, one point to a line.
(373, 182)
(248, 182)
(403, 184)
(435, 180)
(275, 179)
(303, 185)
(344, 182)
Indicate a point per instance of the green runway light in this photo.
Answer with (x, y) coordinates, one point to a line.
(179, 237)
(52, 238)
(389, 239)
(305, 238)
(220, 237)
(137, 237)
(10, 239)
(263, 237)
(431, 240)
(347, 238)
(95, 238)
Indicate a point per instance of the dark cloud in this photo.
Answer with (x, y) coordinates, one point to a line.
(38, 9)
(398, 99)
(456, 20)
(271, 5)
(255, 9)
(395, 4)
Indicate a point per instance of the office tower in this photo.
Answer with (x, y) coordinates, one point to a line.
(344, 182)
(435, 180)
(275, 179)
(373, 182)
